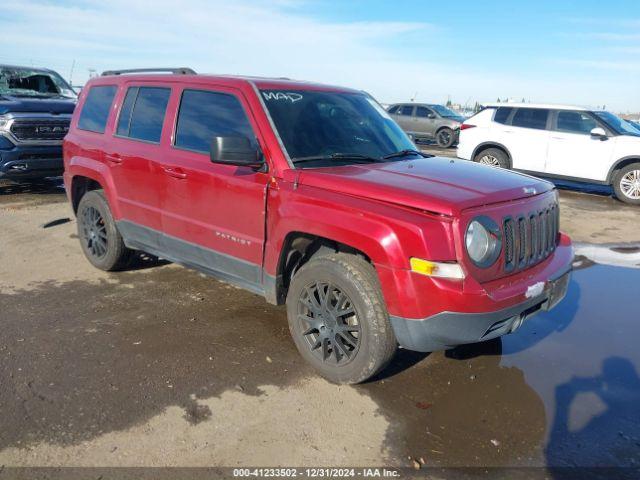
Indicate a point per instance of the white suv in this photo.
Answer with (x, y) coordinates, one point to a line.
(554, 141)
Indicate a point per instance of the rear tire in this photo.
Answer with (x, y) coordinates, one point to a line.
(626, 184)
(445, 137)
(338, 319)
(99, 237)
(493, 157)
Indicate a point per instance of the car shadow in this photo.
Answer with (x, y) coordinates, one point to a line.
(403, 360)
(606, 405)
(455, 409)
(143, 261)
(43, 187)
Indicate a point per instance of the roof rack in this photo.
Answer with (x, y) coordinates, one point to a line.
(175, 71)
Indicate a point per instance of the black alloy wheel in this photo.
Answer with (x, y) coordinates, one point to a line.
(329, 323)
(94, 232)
(98, 233)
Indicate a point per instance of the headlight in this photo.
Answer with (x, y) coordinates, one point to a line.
(5, 143)
(483, 241)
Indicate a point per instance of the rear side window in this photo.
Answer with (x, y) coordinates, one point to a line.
(575, 122)
(502, 114)
(95, 110)
(142, 113)
(530, 118)
(204, 115)
(406, 110)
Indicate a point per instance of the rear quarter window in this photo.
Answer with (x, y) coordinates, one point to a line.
(95, 110)
(502, 114)
(535, 118)
(142, 113)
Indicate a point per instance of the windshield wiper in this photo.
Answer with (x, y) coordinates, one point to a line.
(406, 153)
(357, 157)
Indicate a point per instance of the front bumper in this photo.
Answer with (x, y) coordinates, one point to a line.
(23, 163)
(447, 329)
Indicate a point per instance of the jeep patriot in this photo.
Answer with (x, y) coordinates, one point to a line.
(313, 197)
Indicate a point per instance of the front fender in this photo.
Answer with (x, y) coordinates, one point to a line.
(389, 235)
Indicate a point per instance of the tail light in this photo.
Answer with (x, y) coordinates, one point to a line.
(464, 126)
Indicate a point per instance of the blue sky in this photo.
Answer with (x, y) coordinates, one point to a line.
(583, 52)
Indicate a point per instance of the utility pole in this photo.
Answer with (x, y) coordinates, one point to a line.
(73, 64)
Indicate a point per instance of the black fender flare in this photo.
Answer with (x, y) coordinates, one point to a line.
(620, 163)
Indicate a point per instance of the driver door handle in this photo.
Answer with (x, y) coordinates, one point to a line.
(175, 172)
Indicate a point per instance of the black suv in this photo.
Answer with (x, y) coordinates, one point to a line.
(35, 109)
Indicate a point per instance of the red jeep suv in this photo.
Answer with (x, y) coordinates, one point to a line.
(313, 197)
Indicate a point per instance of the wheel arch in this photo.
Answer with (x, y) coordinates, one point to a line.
(85, 174)
(298, 247)
(442, 127)
(619, 164)
(80, 185)
(486, 145)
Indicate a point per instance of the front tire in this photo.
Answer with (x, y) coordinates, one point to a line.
(492, 157)
(445, 137)
(626, 184)
(101, 241)
(338, 319)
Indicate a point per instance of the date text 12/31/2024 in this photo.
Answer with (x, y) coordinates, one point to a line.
(325, 472)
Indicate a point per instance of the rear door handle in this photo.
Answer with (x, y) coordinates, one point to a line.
(114, 158)
(175, 172)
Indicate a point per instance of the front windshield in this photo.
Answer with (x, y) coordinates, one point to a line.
(335, 127)
(634, 125)
(444, 111)
(24, 82)
(618, 125)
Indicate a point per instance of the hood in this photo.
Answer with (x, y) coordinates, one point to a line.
(11, 104)
(441, 185)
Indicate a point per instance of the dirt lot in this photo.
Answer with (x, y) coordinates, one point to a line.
(162, 366)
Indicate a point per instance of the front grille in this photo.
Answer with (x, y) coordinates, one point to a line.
(509, 240)
(40, 129)
(40, 156)
(530, 239)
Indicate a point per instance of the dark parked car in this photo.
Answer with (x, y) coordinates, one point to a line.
(426, 121)
(35, 109)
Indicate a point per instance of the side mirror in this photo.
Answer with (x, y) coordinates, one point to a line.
(236, 151)
(431, 115)
(599, 133)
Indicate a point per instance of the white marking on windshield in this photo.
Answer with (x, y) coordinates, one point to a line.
(291, 96)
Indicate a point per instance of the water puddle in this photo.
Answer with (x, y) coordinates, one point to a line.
(564, 390)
